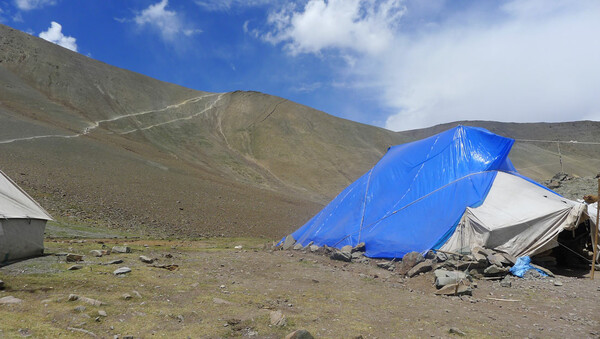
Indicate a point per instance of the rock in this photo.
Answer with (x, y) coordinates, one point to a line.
(341, 256)
(277, 319)
(506, 282)
(558, 283)
(102, 313)
(313, 248)
(455, 289)
(445, 277)
(289, 242)
(476, 273)
(136, 294)
(10, 300)
(480, 258)
(115, 262)
(75, 267)
(238, 247)
(299, 334)
(494, 270)
(346, 249)
(121, 249)
(298, 246)
(543, 269)
(532, 274)
(441, 256)
(511, 258)
(386, 265)
(360, 247)
(80, 308)
(72, 297)
(220, 301)
(126, 296)
(553, 184)
(71, 257)
(1, 285)
(411, 259)
(96, 253)
(423, 267)
(357, 255)
(307, 247)
(456, 331)
(146, 259)
(499, 258)
(430, 255)
(122, 270)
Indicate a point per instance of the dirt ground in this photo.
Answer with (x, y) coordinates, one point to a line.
(219, 290)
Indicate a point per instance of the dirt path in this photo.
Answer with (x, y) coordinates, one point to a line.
(221, 291)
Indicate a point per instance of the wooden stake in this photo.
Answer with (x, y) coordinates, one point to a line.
(595, 242)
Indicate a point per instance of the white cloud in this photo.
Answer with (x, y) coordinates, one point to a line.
(27, 5)
(54, 34)
(523, 61)
(356, 25)
(169, 24)
(226, 5)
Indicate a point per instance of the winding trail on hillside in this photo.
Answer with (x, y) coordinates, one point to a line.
(94, 125)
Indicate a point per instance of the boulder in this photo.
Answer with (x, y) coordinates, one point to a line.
(357, 255)
(277, 319)
(289, 242)
(411, 259)
(341, 256)
(506, 282)
(346, 249)
(455, 289)
(386, 265)
(361, 247)
(480, 258)
(307, 247)
(10, 300)
(441, 256)
(313, 248)
(511, 258)
(299, 334)
(71, 257)
(430, 255)
(445, 277)
(423, 267)
(298, 246)
(122, 270)
(75, 267)
(494, 270)
(498, 260)
(121, 249)
(96, 253)
(115, 262)
(146, 260)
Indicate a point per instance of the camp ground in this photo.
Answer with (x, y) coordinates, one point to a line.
(22, 223)
(452, 192)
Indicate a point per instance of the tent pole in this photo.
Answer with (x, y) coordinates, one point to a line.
(595, 242)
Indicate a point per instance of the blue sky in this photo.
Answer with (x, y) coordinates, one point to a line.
(399, 64)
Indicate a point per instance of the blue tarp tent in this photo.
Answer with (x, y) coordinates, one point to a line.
(415, 196)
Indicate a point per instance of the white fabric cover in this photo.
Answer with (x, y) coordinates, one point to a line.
(15, 203)
(517, 217)
(21, 238)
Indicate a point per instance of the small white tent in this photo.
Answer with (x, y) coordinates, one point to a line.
(22, 223)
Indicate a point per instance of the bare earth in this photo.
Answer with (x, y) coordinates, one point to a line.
(221, 291)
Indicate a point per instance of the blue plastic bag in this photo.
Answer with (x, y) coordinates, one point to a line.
(523, 265)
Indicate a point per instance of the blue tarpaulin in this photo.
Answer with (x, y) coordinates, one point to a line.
(413, 198)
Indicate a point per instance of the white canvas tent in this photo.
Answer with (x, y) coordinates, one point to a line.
(517, 217)
(22, 222)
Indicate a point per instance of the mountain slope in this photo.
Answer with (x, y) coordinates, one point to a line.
(104, 145)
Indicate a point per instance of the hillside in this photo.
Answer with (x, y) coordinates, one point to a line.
(98, 144)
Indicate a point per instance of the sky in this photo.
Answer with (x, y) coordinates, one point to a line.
(397, 64)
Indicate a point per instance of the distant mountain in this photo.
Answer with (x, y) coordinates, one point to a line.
(98, 144)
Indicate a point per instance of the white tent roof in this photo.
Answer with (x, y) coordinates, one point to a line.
(517, 217)
(15, 203)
